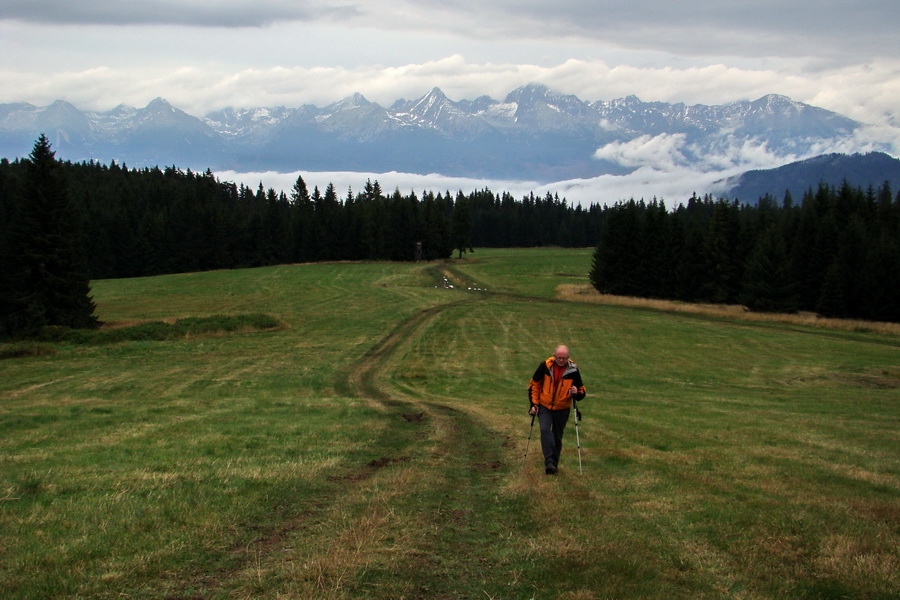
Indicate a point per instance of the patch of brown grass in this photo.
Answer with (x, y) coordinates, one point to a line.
(25, 350)
(125, 323)
(587, 293)
(453, 278)
(856, 559)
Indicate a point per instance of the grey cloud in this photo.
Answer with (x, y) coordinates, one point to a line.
(726, 27)
(231, 13)
(826, 29)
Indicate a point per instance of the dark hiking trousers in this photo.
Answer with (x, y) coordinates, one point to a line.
(553, 422)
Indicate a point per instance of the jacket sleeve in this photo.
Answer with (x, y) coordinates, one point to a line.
(576, 381)
(534, 384)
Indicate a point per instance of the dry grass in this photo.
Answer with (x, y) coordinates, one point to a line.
(125, 323)
(587, 293)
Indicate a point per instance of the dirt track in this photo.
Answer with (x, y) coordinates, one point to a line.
(444, 462)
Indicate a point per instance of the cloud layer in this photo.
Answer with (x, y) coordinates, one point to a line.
(189, 13)
(824, 28)
(646, 183)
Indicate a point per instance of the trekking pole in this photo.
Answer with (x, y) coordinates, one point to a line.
(529, 441)
(577, 437)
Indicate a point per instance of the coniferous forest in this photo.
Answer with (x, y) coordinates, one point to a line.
(837, 252)
(138, 222)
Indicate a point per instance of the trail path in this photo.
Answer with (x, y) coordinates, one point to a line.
(449, 479)
(409, 524)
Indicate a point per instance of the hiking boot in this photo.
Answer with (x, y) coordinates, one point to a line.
(551, 470)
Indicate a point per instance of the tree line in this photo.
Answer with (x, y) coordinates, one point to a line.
(63, 224)
(109, 221)
(139, 222)
(837, 253)
(150, 221)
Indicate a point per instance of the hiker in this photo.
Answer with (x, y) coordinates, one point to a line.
(555, 383)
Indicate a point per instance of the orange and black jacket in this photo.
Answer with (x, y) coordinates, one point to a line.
(552, 394)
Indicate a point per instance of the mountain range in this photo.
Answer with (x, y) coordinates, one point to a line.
(533, 134)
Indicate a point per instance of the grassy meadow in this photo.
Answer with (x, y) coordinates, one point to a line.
(371, 445)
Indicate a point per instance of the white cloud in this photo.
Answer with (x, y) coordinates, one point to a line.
(865, 139)
(662, 152)
(646, 183)
(674, 187)
(743, 154)
(405, 182)
(868, 93)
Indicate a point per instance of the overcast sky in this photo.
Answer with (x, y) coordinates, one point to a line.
(202, 55)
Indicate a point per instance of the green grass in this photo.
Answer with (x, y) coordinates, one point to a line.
(371, 446)
(526, 271)
(156, 331)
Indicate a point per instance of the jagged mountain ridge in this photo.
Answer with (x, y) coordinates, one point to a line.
(533, 133)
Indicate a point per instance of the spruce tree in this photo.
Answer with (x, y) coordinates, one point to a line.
(768, 284)
(832, 301)
(9, 193)
(303, 215)
(721, 235)
(461, 226)
(616, 261)
(48, 278)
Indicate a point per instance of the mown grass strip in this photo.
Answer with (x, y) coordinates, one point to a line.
(152, 331)
(159, 331)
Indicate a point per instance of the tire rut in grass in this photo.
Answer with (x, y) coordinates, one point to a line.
(356, 381)
(452, 511)
(456, 512)
(262, 543)
(359, 380)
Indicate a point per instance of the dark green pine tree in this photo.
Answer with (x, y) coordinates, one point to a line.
(48, 276)
(721, 284)
(461, 226)
(689, 272)
(9, 192)
(436, 240)
(616, 264)
(832, 301)
(880, 278)
(768, 284)
(303, 215)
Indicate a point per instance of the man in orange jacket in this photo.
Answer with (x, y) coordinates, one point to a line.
(555, 384)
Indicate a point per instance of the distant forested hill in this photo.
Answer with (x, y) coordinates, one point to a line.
(859, 170)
